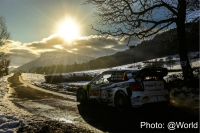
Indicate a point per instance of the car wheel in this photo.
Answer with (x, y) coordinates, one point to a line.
(81, 96)
(121, 101)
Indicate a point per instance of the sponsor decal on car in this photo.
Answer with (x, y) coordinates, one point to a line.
(153, 85)
(94, 94)
(104, 95)
(146, 98)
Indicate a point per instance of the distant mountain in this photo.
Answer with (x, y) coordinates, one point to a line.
(55, 58)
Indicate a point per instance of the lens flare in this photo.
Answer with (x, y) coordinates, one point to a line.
(68, 30)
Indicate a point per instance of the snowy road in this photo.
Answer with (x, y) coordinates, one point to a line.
(47, 91)
(45, 103)
(95, 117)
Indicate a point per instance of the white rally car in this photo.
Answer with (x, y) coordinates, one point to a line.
(120, 88)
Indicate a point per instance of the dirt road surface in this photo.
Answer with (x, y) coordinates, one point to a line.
(94, 117)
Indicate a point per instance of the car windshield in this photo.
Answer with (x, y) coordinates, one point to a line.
(117, 76)
(102, 78)
(96, 78)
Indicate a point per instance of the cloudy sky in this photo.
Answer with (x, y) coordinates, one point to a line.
(37, 26)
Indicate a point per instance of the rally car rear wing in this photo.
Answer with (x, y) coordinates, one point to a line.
(151, 72)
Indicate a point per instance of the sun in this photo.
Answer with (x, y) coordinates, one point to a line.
(68, 30)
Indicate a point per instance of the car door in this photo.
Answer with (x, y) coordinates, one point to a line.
(94, 87)
(97, 84)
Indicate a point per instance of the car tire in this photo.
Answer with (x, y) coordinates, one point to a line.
(121, 101)
(81, 96)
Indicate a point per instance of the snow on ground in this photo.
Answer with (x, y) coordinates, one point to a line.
(33, 78)
(75, 83)
(39, 80)
(12, 117)
(8, 122)
(3, 85)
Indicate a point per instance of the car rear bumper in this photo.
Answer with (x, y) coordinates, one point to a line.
(153, 104)
(141, 99)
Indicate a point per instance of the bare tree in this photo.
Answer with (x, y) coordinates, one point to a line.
(144, 18)
(4, 35)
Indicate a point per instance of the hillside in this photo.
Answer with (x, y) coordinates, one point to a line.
(161, 45)
(54, 58)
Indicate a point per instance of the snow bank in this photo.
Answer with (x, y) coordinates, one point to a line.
(33, 78)
(75, 83)
(8, 124)
(66, 75)
(3, 85)
(65, 87)
(38, 79)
